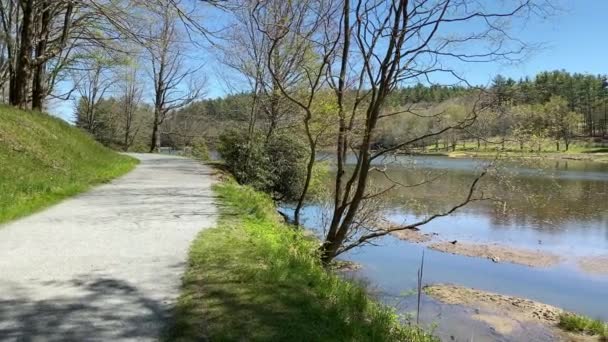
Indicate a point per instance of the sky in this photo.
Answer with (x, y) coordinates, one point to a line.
(575, 39)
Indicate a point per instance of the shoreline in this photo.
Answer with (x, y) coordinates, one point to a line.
(593, 265)
(506, 314)
(599, 157)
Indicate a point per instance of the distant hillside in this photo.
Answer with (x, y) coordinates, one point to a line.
(43, 160)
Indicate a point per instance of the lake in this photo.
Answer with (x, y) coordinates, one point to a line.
(560, 207)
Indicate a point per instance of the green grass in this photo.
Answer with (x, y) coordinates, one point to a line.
(253, 278)
(583, 325)
(547, 146)
(44, 160)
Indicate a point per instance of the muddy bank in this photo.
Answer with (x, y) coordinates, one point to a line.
(494, 252)
(505, 314)
(499, 253)
(413, 235)
(594, 265)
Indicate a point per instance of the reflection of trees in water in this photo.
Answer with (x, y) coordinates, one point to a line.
(539, 202)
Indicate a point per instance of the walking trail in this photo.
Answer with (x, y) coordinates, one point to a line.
(107, 264)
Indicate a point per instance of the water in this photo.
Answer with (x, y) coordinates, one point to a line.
(559, 207)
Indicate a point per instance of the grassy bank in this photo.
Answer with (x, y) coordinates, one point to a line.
(586, 151)
(584, 325)
(44, 160)
(255, 279)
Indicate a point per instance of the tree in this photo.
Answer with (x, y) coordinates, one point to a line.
(130, 101)
(561, 120)
(302, 37)
(92, 82)
(395, 42)
(175, 82)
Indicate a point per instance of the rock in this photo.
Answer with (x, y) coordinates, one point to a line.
(496, 259)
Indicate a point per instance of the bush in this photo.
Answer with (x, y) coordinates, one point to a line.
(276, 166)
(200, 150)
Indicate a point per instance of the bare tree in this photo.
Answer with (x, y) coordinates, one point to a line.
(302, 37)
(131, 100)
(176, 83)
(390, 43)
(92, 82)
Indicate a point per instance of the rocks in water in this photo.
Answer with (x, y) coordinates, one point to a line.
(496, 259)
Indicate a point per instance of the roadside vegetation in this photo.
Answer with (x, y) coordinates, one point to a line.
(583, 325)
(256, 278)
(44, 160)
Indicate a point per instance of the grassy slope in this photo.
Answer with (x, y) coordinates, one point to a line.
(44, 160)
(255, 279)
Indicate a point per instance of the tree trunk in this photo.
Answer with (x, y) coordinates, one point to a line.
(155, 136)
(309, 170)
(22, 75)
(38, 84)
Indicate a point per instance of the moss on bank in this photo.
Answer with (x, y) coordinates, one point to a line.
(254, 278)
(44, 160)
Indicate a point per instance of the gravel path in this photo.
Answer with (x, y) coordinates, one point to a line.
(105, 265)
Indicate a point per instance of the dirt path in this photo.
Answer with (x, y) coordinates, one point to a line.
(105, 265)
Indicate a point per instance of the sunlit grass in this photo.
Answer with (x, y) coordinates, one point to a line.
(584, 325)
(44, 160)
(253, 278)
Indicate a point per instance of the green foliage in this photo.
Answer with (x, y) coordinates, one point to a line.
(200, 150)
(254, 278)
(318, 183)
(582, 324)
(108, 126)
(275, 166)
(44, 160)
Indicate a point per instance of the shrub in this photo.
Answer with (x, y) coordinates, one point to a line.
(200, 150)
(275, 166)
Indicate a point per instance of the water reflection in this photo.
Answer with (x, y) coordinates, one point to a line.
(559, 205)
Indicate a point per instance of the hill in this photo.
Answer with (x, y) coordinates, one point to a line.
(44, 160)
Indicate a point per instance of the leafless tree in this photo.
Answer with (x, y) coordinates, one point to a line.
(92, 82)
(390, 43)
(130, 100)
(302, 38)
(176, 82)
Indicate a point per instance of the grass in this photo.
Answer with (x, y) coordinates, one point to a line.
(579, 149)
(44, 160)
(253, 278)
(583, 325)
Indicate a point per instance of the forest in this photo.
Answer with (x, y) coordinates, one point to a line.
(553, 106)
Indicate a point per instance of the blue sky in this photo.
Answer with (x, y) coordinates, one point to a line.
(575, 39)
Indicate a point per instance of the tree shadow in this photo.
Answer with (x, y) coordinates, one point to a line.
(98, 308)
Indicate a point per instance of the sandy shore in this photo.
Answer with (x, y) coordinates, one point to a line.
(499, 253)
(505, 314)
(594, 265)
(413, 235)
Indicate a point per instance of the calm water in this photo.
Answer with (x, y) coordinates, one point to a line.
(560, 207)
